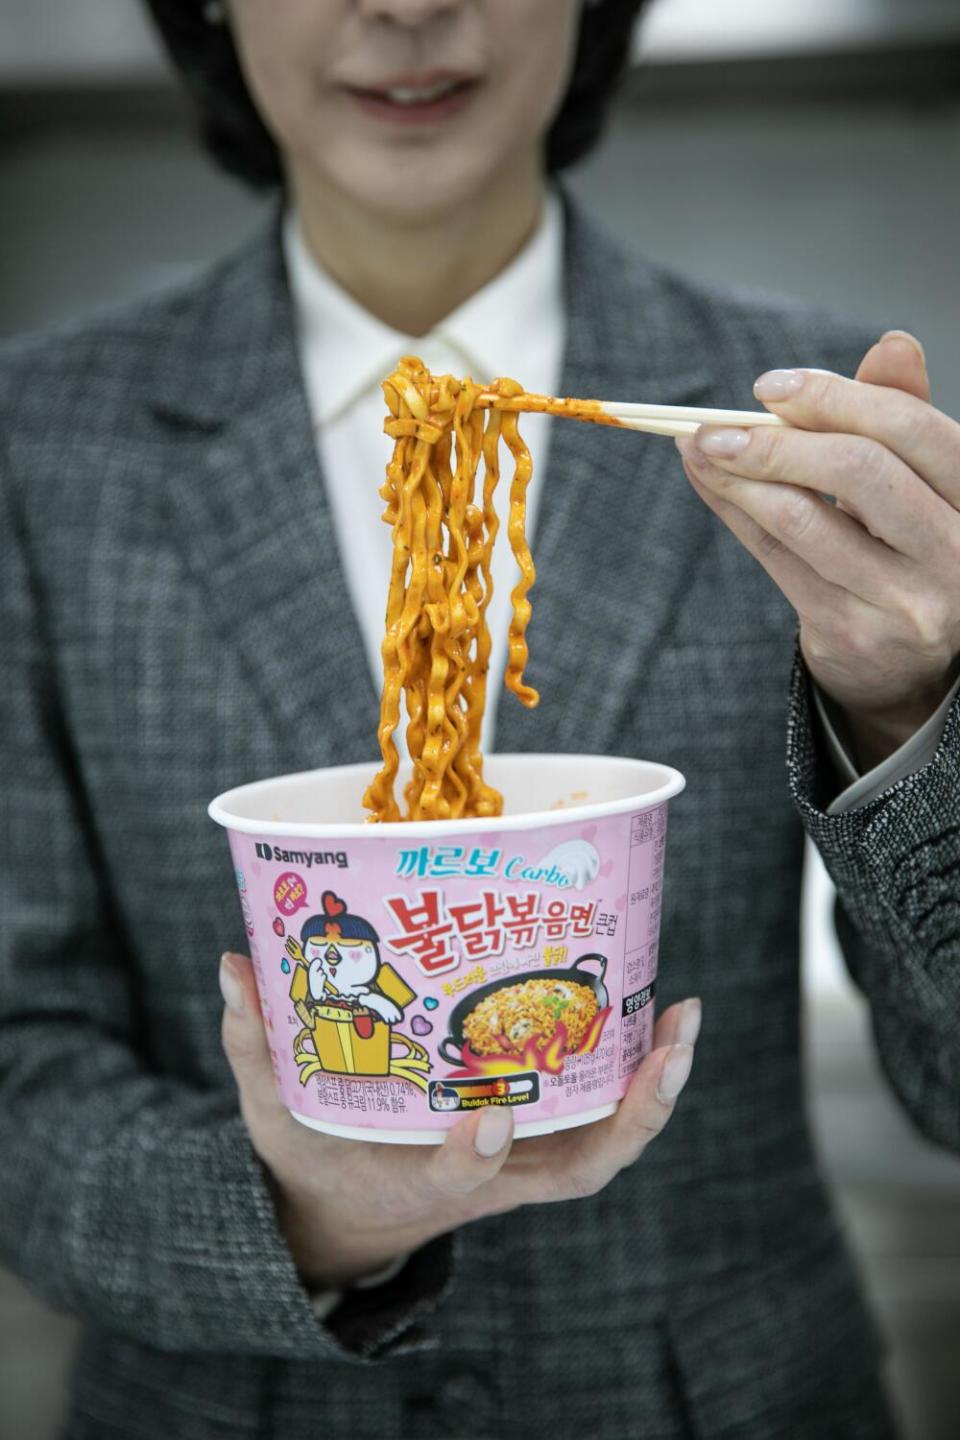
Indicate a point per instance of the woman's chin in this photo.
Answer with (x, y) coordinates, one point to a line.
(422, 186)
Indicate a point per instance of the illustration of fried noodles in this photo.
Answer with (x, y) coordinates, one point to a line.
(504, 1022)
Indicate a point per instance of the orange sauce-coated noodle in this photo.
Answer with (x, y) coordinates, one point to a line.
(436, 651)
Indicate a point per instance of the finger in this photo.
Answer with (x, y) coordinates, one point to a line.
(909, 617)
(890, 502)
(898, 361)
(647, 1105)
(594, 1155)
(923, 437)
(679, 1024)
(789, 520)
(474, 1152)
(244, 1036)
(815, 599)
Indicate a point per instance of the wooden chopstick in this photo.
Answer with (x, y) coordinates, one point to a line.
(675, 420)
(626, 411)
(675, 428)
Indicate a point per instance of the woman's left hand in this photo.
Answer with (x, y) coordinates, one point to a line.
(874, 578)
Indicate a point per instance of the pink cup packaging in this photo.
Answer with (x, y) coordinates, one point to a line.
(409, 973)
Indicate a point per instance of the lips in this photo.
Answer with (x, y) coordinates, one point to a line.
(419, 94)
(415, 99)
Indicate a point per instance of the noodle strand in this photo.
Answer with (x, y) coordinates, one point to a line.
(436, 649)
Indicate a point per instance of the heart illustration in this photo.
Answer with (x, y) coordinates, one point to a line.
(332, 904)
(606, 868)
(430, 1003)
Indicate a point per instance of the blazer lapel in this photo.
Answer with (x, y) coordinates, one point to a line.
(619, 527)
(253, 516)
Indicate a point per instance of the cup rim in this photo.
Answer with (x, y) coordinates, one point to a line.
(671, 784)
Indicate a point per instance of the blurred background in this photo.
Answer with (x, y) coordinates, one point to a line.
(813, 149)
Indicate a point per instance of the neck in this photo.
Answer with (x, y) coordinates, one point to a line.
(456, 253)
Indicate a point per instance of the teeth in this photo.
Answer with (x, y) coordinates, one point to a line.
(403, 95)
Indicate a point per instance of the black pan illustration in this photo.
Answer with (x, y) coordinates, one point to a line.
(454, 1041)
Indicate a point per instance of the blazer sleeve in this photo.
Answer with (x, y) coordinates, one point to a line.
(126, 1196)
(896, 864)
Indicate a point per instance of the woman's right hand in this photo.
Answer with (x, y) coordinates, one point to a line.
(348, 1207)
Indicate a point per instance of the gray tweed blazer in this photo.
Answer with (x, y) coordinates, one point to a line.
(163, 518)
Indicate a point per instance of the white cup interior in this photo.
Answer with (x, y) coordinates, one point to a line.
(537, 790)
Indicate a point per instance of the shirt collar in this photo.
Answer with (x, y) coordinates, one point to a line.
(345, 351)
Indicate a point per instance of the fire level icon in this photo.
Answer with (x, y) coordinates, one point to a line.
(470, 1093)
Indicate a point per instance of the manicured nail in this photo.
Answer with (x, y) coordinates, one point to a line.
(723, 441)
(910, 339)
(492, 1132)
(688, 1029)
(779, 384)
(230, 987)
(675, 1072)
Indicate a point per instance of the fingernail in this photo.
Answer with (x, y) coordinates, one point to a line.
(492, 1132)
(689, 1027)
(675, 1072)
(230, 987)
(723, 441)
(779, 384)
(910, 339)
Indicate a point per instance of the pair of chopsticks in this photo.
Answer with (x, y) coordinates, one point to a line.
(675, 420)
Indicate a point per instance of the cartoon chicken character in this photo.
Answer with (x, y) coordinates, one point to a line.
(342, 956)
(349, 1000)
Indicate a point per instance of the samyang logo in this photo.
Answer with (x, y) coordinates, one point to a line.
(306, 858)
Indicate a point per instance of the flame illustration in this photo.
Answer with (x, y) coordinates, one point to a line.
(549, 1060)
(591, 1040)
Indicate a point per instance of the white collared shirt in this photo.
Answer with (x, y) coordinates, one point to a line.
(514, 326)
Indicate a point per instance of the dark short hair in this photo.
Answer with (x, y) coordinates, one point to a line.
(348, 927)
(233, 132)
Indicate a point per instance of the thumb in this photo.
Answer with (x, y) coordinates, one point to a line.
(474, 1151)
(897, 360)
(244, 1036)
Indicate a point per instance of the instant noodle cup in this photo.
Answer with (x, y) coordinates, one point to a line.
(411, 972)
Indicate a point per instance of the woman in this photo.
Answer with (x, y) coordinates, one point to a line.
(188, 605)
